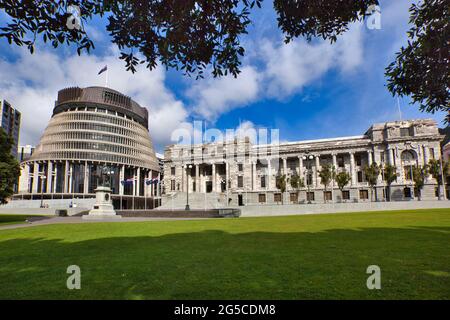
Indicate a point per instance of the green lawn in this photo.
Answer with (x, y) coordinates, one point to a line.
(14, 218)
(296, 257)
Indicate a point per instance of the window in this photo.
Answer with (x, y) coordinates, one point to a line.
(406, 132)
(432, 153)
(358, 159)
(327, 195)
(309, 179)
(172, 171)
(346, 195)
(363, 194)
(360, 176)
(277, 197)
(407, 192)
(382, 156)
(263, 182)
(240, 167)
(262, 198)
(310, 196)
(172, 185)
(294, 197)
(408, 172)
(240, 181)
(340, 160)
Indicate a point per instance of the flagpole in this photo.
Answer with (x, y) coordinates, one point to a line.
(106, 85)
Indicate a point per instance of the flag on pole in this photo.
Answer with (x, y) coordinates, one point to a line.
(103, 69)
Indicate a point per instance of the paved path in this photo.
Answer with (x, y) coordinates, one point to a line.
(59, 220)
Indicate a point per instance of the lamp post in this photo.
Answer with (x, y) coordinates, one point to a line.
(43, 177)
(307, 158)
(187, 187)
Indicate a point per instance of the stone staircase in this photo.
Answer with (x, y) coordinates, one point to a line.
(197, 201)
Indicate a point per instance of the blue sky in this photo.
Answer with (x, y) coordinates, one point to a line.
(306, 90)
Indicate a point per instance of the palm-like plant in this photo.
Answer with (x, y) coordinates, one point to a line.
(372, 172)
(281, 185)
(419, 173)
(342, 179)
(326, 175)
(434, 168)
(296, 183)
(390, 175)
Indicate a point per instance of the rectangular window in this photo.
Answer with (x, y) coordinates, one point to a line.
(277, 197)
(262, 198)
(327, 195)
(363, 194)
(172, 185)
(172, 171)
(240, 167)
(340, 160)
(240, 181)
(263, 181)
(294, 197)
(309, 179)
(408, 173)
(360, 176)
(310, 196)
(405, 132)
(358, 159)
(346, 195)
(432, 153)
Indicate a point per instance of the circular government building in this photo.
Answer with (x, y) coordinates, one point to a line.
(94, 132)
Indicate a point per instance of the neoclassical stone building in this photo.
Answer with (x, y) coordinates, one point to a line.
(247, 173)
(92, 130)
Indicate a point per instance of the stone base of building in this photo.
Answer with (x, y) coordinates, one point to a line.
(100, 216)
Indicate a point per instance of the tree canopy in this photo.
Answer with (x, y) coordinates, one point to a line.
(192, 35)
(9, 167)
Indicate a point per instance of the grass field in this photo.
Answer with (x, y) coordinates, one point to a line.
(14, 218)
(296, 257)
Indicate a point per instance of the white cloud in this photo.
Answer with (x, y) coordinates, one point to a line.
(283, 70)
(34, 80)
(214, 96)
(290, 67)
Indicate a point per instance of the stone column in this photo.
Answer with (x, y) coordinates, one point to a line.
(49, 176)
(352, 168)
(70, 189)
(369, 157)
(86, 178)
(227, 175)
(158, 190)
(285, 166)
(56, 180)
(121, 178)
(300, 166)
(66, 177)
(35, 177)
(134, 182)
(426, 159)
(269, 174)
(197, 178)
(254, 177)
(138, 182)
(213, 178)
(24, 179)
(317, 169)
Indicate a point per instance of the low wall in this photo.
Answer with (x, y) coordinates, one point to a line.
(39, 211)
(294, 209)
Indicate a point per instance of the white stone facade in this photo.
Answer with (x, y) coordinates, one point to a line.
(245, 173)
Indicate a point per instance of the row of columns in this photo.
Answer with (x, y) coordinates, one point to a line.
(52, 172)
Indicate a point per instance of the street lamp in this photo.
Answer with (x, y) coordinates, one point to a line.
(307, 158)
(187, 187)
(43, 177)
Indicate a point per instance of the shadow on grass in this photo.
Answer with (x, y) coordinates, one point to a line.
(218, 265)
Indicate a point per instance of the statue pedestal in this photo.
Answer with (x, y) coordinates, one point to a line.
(103, 208)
